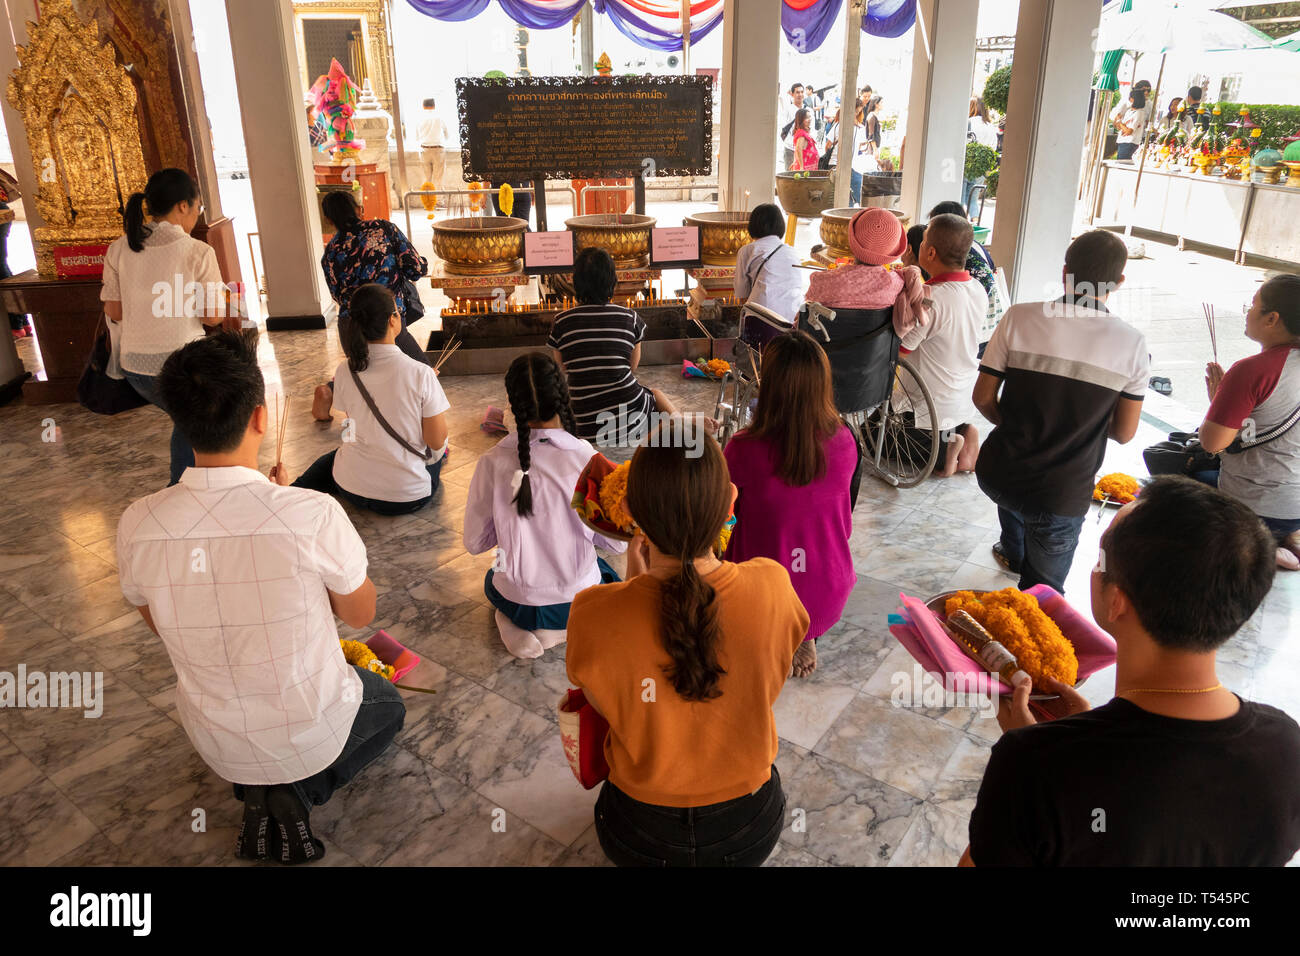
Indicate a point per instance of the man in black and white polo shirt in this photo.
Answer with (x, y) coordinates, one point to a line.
(1070, 376)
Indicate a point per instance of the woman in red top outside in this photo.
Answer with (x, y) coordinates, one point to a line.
(806, 154)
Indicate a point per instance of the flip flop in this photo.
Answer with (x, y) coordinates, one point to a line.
(1162, 385)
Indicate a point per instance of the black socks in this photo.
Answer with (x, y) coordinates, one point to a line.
(290, 817)
(255, 830)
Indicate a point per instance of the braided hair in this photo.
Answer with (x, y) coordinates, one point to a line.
(538, 392)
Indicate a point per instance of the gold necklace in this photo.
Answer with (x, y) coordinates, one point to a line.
(1168, 690)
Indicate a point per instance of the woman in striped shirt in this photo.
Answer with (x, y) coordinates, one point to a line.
(599, 347)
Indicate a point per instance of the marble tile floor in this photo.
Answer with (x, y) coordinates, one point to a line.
(477, 775)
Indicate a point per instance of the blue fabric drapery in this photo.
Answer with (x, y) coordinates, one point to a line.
(525, 14)
(643, 33)
(806, 25)
(806, 29)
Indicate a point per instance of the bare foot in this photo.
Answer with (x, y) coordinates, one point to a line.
(805, 659)
(951, 452)
(321, 403)
(1287, 560)
(970, 449)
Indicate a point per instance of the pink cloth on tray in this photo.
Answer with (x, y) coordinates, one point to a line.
(926, 640)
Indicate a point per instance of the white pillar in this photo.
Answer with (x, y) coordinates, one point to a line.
(848, 95)
(943, 64)
(1046, 125)
(751, 38)
(200, 132)
(279, 162)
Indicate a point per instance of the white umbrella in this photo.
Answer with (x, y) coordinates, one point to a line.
(1163, 26)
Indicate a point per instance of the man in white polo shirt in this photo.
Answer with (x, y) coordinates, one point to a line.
(432, 133)
(1057, 380)
(945, 350)
(241, 578)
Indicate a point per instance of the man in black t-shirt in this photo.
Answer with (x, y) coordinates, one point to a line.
(1176, 770)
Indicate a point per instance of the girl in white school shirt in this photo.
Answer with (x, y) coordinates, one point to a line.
(519, 504)
(395, 435)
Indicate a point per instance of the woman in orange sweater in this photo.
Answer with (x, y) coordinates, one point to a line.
(685, 659)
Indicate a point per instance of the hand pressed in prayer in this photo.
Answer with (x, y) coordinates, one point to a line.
(1213, 376)
(1014, 712)
(280, 475)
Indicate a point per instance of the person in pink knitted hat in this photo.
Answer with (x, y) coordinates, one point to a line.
(875, 280)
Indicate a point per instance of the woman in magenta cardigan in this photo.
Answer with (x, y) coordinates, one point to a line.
(793, 468)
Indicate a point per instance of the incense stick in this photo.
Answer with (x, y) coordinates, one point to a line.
(1214, 339)
(283, 422)
(447, 352)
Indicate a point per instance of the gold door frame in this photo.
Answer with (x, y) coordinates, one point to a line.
(374, 28)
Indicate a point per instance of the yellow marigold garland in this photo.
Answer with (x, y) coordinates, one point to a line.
(356, 653)
(613, 498)
(1023, 628)
(1117, 486)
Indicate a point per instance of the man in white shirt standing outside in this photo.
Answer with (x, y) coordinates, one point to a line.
(790, 105)
(432, 134)
(242, 577)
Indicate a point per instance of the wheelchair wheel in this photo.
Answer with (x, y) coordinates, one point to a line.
(725, 411)
(901, 453)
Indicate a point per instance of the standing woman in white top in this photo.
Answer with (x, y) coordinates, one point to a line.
(519, 504)
(766, 272)
(395, 430)
(163, 287)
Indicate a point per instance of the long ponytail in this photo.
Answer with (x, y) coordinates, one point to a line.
(164, 191)
(369, 310)
(133, 222)
(681, 504)
(538, 392)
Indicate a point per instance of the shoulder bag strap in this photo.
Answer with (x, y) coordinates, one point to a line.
(1277, 431)
(370, 403)
(759, 271)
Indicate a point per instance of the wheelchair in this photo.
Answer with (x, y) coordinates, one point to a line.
(877, 390)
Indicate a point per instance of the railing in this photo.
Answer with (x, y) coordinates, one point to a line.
(406, 208)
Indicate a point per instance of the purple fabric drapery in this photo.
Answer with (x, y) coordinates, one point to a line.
(524, 14)
(807, 29)
(643, 33)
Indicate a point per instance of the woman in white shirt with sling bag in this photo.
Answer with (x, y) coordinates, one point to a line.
(766, 272)
(395, 433)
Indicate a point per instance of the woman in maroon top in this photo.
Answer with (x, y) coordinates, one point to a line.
(793, 469)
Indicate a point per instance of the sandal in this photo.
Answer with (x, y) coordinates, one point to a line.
(1162, 385)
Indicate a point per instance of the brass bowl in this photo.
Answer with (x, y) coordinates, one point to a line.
(1294, 179)
(480, 245)
(626, 237)
(721, 235)
(835, 231)
(807, 193)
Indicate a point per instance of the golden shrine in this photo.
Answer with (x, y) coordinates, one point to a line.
(79, 109)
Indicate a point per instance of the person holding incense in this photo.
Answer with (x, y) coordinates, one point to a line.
(519, 504)
(362, 251)
(1261, 461)
(395, 434)
(767, 272)
(242, 578)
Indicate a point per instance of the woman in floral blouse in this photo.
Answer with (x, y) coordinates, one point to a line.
(364, 251)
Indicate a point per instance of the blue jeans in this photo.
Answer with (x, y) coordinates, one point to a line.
(1279, 528)
(545, 617)
(855, 188)
(1125, 150)
(740, 832)
(1041, 543)
(967, 188)
(319, 476)
(379, 718)
(182, 453)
